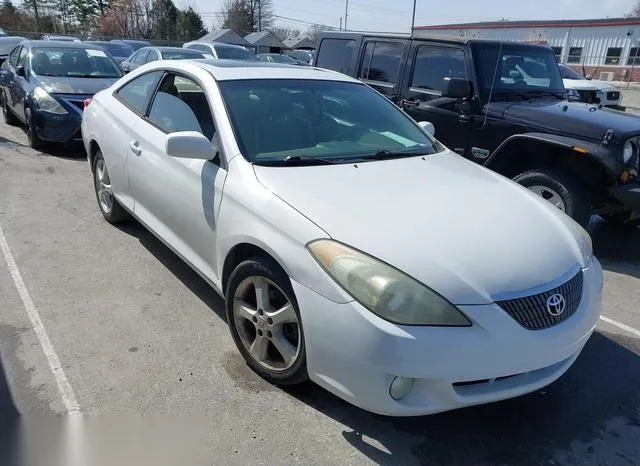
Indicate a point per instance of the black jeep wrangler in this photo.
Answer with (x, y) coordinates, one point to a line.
(503, 105)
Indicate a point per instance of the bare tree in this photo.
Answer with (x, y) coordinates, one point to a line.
(314, 31)
(636, 10)
(245, 16)
(283, 33)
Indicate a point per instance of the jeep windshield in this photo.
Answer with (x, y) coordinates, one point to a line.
(517, 72)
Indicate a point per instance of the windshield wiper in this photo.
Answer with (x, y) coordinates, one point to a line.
(298, 161)
(386, 154)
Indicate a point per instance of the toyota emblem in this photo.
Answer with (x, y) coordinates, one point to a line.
(556, 304)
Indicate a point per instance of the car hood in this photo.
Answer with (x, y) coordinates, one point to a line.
(581, 84)
(604, 85)
(63, 85)
(577, 119)
(462, 230)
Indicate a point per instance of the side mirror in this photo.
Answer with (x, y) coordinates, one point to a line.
(20, 71)
(427, 127)
(588, 77)
(456, 88)
(190, 145)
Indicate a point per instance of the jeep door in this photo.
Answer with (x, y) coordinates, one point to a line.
(429, 67)
(380, 64)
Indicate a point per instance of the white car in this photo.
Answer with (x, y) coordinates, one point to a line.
(590, 90)
(350, 246)
(221, 50)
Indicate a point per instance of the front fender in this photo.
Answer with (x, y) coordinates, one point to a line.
(602, 155)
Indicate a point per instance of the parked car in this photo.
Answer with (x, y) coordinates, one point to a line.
(220, 50)
(440, 296)
(279, 58)
(44, 85)
(150, 54)
(7, 44)
(2, 32)
(582, 159)
(301, 55)
(600, 92)
(119, 52)
(134, 44)
(60, 38)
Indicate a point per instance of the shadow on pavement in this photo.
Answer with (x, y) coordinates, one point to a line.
(600, 387)
(617, 247)
(9, 420)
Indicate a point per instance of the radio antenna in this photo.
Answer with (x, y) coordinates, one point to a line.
(493, 82)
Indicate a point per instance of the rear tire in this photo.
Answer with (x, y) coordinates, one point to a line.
(9, 117)
(561, 189)
(110, 208)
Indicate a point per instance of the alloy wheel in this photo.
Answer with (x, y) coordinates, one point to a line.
(267, 323)
(549, 195)
(103, 187)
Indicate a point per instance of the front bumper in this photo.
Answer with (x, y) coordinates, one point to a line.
(628, 194)
(355, 354)
(52, 127)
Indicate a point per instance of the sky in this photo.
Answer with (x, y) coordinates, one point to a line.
(395, 15)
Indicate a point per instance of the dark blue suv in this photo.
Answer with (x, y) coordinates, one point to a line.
(44, 84)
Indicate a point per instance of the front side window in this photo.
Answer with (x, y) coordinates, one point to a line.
(22, 58)
(136, 94)
(153, 56)
(181, 105)
(275, 119)
(336, 54)
(13, 58)
(433, 64)
(73, 62)
(140, 57)
(613, 56)
(381, 62)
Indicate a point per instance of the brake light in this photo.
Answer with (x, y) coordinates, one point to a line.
(87, 102)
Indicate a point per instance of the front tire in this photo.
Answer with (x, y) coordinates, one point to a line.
(34, 141)
(110, 208)
(265, 323)
(560, 189)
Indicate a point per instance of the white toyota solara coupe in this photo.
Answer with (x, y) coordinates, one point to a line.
(350, 246)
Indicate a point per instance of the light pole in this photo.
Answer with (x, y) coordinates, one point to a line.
(346, 14)
(413, 17)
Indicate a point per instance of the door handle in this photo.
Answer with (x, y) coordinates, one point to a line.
(135, 147)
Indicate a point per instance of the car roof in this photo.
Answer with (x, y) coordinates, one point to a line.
(174, 49)
(44, 44)
(230, 70)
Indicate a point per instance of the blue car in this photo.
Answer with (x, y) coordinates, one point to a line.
(44, 84)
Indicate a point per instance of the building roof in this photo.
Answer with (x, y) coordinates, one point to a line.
(264, 39)
(227, 36)
(633, 21)
(299, 43)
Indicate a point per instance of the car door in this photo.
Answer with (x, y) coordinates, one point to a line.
(179, 199)
(132, 102)
(380, 65)
(20, 84)
(429, 67)
(8, 76)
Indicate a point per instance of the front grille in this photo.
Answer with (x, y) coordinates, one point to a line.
(531, 311)
(613, 95)
(589, 97)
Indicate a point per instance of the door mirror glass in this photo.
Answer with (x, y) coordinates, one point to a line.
(427, 127)
(588, 77)
(189, 145)
(20, 71)
(456, 88)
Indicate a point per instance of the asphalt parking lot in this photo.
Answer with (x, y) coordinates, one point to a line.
(135, 331)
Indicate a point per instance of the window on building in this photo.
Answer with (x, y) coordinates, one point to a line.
(634, 56)
(557, 51)
(613, 56)
(575, 55)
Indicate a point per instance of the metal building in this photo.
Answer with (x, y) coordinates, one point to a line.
(607, 48)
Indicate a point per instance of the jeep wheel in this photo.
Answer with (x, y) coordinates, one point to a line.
(560, 189)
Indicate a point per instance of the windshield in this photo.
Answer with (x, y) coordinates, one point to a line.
(234, 53)
(282, 58)
(117, 50)
(277, 119)
(519, 71)
(301, 55)
(569, 73)
(183, 54)
(73, 63)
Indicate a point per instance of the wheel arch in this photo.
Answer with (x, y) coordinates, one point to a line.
(94, 147)
(243, 251)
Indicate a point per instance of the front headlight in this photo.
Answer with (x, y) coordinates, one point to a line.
(585, 244)
(47, 103)
(627, 151)
(384, 290)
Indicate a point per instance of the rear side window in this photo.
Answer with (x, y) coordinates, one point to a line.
(434, 64)
(381, 62)
(336, 54)
(13, 58)
(137, 93)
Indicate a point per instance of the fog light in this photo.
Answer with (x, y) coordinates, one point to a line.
(400, 387)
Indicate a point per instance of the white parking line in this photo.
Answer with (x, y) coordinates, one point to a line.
(64, 387)
(624, 327)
